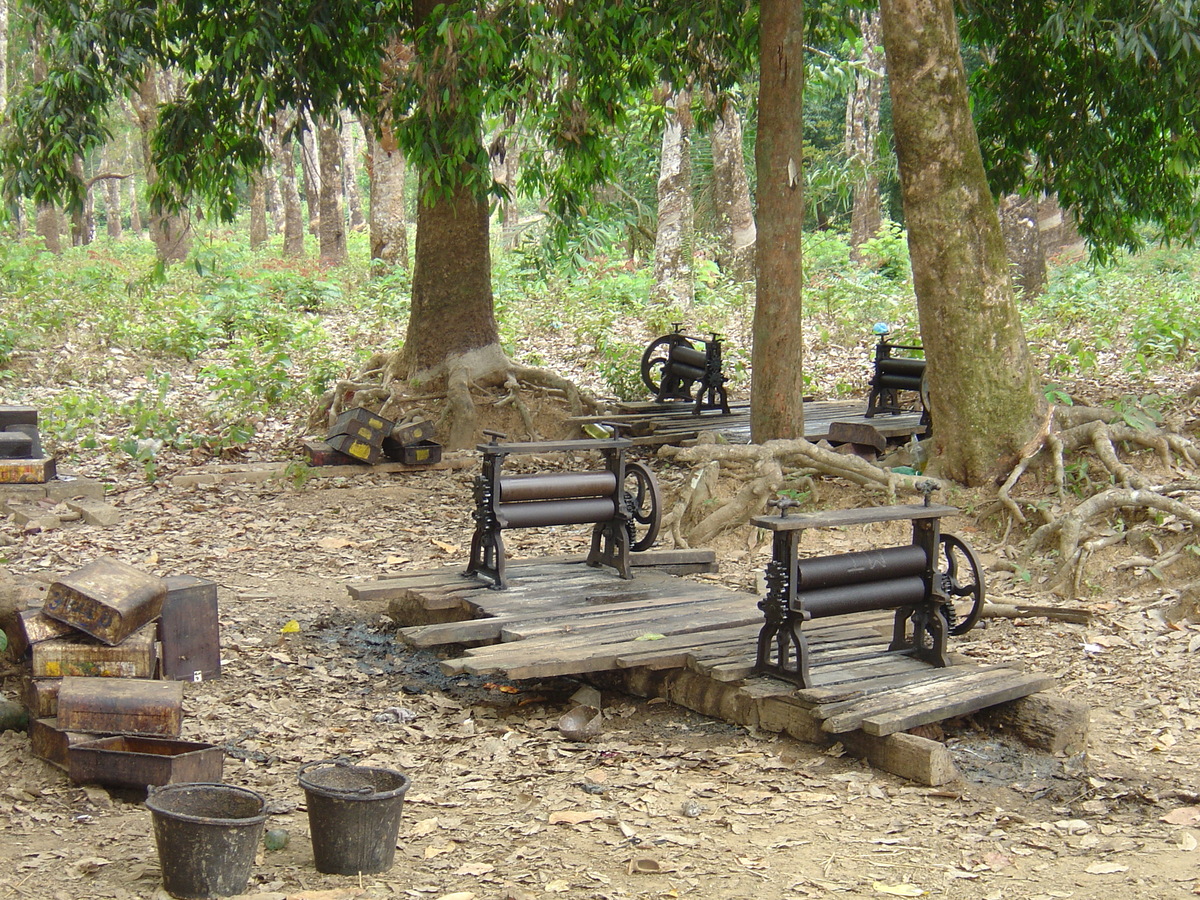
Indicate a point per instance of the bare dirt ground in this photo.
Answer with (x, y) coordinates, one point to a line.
(664, 803)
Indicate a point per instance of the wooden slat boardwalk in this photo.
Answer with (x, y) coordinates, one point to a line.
(669, 423)
(560, 618)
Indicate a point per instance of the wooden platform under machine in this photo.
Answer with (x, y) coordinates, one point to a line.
(649, 423)
(693, 642)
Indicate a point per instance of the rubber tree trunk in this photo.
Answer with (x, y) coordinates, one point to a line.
(170, 232)
(506, 155)
(289, 196)
(777, 358)
(351, 154)
(862, 133)
(984, 395)
(333, 219)
(310, 170)
(674, 284)
(387, 175)
(258, 211)
(731, 188)
(1023, 240)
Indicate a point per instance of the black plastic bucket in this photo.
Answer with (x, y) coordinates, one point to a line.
(207, 836)
(353, 816)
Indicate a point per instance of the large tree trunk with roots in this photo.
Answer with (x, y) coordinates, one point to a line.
(862, 133)
(777, 384)
(674, 284)
(984, 395)
(735, 211)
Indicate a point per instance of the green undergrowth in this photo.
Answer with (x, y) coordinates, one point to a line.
(138, 359)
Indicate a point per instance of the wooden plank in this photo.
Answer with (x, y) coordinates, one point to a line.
(886, 689)
(1044, 721)
(1019, 685)
(923, 687)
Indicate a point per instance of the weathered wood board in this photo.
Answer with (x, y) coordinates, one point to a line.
(693, 642)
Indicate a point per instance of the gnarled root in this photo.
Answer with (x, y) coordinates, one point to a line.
(458, 391)
(1102, 436)
(764, 467)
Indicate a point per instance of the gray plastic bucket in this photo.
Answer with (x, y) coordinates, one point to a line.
(207, 836)
(353, 816)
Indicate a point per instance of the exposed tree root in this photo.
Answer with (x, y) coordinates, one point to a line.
(1102, 436)
(456, 393)
(763, 468)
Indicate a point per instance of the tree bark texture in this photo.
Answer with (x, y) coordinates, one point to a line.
(352, 148)
(48, 224)
(333, 219)
(170, 232)
(452, 310)
(258, 210)
(387, 174)
(674, 284)
(734, 209)
(112, 197)
(984, 394)
(311, 172)
(1023, 241)
(506, 154)
(289, 196)
(777, 382)
(862, 133)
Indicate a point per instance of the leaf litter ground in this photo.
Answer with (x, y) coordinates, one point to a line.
(663, 803)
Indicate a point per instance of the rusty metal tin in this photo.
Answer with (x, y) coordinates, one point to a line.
(121, 706)
(134, 657)
(40, 697)
(50, 742)
(27, 471)
(139, 762)
(356, 448)
(189, 630)
(31, 626)
(107, 599)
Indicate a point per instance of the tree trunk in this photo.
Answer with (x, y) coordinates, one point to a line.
(984, 394)
(293, 216)
(83, 220)
(311, 172)
(49, 227)
(171, 233)
(112, 197)
(1023, 242)
(734, 209)
(258, 210)
(274, 197)
(777, 384)
(387, 173)
(506, 153)
(135, 212)
(333, 221)
(862, 134)
(352, 153)
(452, 311)
(674, 284)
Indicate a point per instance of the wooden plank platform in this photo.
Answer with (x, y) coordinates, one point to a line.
(648, 423)
(693, 642)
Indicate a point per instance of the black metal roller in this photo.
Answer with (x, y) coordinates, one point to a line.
(962, 581)
(654, 359)
(645, 504)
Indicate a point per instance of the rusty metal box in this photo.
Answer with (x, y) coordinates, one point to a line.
(422, 453)
(50, 742)
(362, 424)
(356, 448)
(121, 706)
(17, 415)
(188, 630)
(135, 657)
(16, 445)
(412, 432)
(138, 762)
(27, 471)
(40, 697)
(107, 599)
(31, 626)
